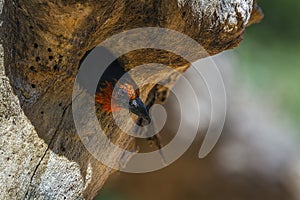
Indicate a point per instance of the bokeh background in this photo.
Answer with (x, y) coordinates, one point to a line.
(270, 54)
(257, 156)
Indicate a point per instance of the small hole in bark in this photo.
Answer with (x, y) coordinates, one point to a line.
(33, 85)
(55, 68)
(31, 27)
(60, 104)
(32, 68)
(49, 49)
(37, 59)
(50, 57)
(183, 14)
(7, 158)
(42, 112)
(36, 45)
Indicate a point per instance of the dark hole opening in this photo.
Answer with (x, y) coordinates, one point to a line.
(55, 68)
(32, 68)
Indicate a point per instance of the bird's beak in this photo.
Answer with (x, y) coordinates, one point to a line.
(137, 107)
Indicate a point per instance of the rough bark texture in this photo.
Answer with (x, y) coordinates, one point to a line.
(44, 41)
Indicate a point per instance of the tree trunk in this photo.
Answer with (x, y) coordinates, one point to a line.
(44, 42)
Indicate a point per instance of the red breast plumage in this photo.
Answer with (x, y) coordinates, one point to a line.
(117, 90)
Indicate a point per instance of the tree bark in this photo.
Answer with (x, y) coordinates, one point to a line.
(44, 42)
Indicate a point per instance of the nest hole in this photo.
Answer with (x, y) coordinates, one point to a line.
(32, 68)
(55, 68)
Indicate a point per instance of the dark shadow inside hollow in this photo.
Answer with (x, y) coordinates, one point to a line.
(96, 61)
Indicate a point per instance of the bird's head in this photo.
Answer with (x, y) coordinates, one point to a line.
(123, 96)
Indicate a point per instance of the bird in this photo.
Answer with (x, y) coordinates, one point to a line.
(117, 90)
(126, 95)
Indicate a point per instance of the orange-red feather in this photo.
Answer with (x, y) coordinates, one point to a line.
(105, 97)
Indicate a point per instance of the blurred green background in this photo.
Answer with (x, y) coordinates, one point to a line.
(270, 55)
(269, 58)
